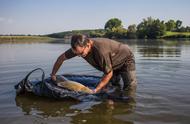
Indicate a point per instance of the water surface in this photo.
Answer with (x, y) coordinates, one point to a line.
(162, 97)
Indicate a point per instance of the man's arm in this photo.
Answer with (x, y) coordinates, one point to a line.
(57, 65)
(104, 81)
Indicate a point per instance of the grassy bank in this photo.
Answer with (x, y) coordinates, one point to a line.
(176, 35)
(22, 39)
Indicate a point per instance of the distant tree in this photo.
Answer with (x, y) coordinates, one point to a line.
(97, 33)
(131, 31)
(141, 30)
(182, 29)
(170, 25)
(114, 29)
(187, 29)
(116, 33)
(157, 29)
(113, 23)
(151, 28)
(178, 24)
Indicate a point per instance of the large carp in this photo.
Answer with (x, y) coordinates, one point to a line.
(72, 85)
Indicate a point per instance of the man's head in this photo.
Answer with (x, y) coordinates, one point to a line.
(80, 44)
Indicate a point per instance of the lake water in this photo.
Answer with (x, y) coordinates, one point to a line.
(162, 96)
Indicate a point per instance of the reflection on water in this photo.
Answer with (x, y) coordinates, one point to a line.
(160, 52)
(90, 112)
(34, 105)
(105, 113)
(159, 48)
(162, 95)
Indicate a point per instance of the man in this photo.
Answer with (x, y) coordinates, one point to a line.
(115, 59)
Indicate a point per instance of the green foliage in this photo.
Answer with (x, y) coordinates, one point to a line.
(67, 34)
(97, 33)
(178, 24)
(177, 35)
(116, 33)
(113, 24)
(114, 29)
(131, 31)
(24, 38)
(184, 29)
(170, 25)
(151, 28)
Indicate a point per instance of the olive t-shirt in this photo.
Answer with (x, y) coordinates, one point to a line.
(107, 55)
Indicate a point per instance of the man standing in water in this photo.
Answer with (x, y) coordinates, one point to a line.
(114, 59)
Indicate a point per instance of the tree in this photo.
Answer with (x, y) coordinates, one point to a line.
(182, 29)
(97, 33)
(131, 31)
(114, 29)
(151, 28)
(141, 30)
(117, 33)
(157, 29)
(178, 24)
(113, 23)
(170, 25)
(187, 29)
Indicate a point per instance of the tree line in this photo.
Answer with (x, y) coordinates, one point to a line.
(149, 28)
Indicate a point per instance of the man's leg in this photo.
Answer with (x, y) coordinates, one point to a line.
(129, 79)
(129, 83)
(115, 80)
(125, 79)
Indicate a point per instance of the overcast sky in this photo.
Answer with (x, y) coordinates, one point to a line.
(50, 16)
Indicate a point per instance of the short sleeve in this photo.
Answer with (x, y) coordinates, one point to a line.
(69, 54)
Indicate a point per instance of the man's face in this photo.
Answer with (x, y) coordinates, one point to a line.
(81, 51)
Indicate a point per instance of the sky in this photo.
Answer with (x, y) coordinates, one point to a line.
(51, 16)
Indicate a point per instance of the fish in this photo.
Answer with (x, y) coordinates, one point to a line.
(72, 85)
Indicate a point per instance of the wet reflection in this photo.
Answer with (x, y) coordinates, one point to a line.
(79, 112)
(158, 48)
(108, 112)
(34, 105)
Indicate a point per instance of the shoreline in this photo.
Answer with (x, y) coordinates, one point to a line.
(41, 39)
(25, 39)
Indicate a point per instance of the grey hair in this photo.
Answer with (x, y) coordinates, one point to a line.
(79, 40)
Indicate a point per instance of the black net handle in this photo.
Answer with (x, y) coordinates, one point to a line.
(43, 74)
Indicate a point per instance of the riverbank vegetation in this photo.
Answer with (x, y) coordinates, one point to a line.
(149, 28)
(174, 35)
(24, 38)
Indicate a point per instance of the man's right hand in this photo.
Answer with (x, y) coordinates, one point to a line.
(53, 77)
